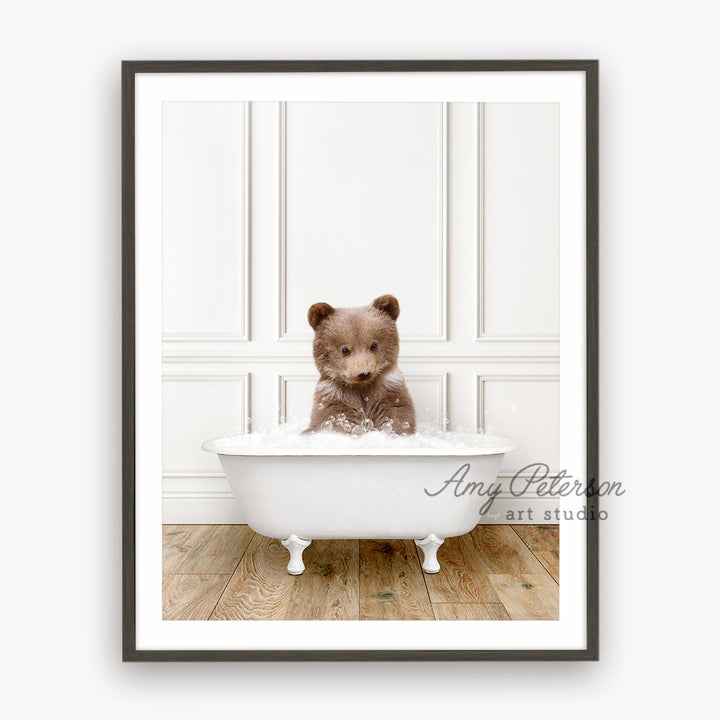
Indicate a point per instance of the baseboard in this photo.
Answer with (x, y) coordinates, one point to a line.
(218, 507)
(200, 508)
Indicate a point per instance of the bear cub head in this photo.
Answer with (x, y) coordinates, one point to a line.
(356, 346)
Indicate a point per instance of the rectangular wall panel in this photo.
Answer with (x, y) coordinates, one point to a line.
(429, 394)
(295, 397)
(519, 242)
(525, 409)
(363, 212)
(199, 408)
(205, 244)
(295, 393)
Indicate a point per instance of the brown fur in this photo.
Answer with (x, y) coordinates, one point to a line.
(364, 382)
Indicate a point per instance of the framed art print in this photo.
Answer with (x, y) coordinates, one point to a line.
(360, 360)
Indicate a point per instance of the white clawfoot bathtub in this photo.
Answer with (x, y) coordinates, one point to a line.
(300, 494)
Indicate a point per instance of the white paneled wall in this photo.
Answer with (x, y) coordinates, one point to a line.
(217, 404)
(524, 407)
(364, 187)
(520, 244)
(270, 207)
(205, 215)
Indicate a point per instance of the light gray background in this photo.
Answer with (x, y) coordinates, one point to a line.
(60, 226)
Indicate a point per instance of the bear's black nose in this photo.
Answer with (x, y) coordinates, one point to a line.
(363, 373)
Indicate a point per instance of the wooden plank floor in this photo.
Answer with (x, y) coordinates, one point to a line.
(229, 572)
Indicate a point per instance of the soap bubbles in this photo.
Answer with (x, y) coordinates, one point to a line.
(321, 406)
(356, 437)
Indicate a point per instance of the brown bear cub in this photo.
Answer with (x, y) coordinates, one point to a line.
(356, 352)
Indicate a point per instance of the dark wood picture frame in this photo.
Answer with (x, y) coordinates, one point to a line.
(130, 69)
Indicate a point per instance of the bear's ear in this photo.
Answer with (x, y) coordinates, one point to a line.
(387, 304)
(318, 312)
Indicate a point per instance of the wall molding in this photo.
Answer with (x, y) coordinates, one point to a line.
(219, 508)
(481, 335)
(480, 380)
(202, 356)
(480, 220)
(517, 337)
(283, 335)
(192, 474)
(282, 224)
(198, 494)
(243, 335)
(481, 359)
(282, 381)
(199, 507)
(243, 378)
(441, 379)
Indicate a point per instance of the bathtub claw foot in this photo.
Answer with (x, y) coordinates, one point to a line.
(296, 546)
(430, 546)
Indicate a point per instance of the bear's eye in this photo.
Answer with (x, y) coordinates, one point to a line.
(373, 346)
(345, 351)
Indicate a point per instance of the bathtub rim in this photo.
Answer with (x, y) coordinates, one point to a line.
(219, 447)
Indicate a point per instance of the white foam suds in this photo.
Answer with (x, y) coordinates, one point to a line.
(288, 438)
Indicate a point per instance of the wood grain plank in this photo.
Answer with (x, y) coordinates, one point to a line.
(502, 552)
(493, 573)
(175, 544)
(551, 562)
(214, 549)
(462, 577)
(260, 588)
(191, 597)
(469, 611)
(528, 597)
(539, 537)
(329, 589)
(544, 543)
(391, 582)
